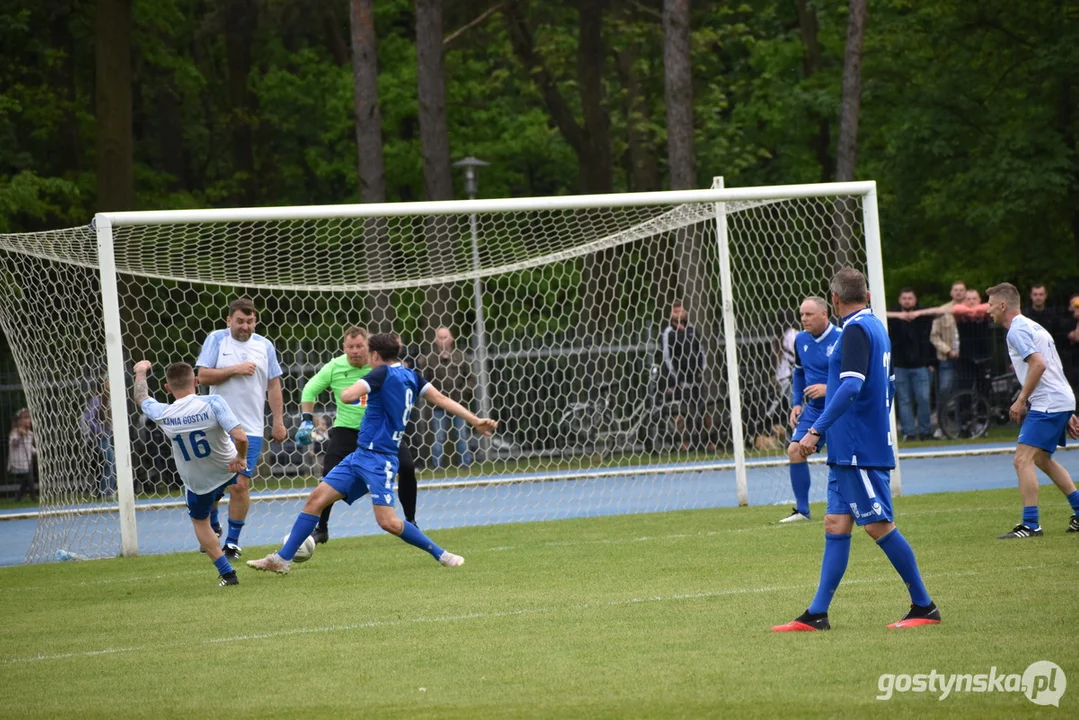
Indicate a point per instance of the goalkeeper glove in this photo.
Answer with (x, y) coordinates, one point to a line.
(303, 433)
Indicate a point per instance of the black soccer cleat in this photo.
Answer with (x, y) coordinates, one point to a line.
(919, 615)
(321, 535)
(1073, 526)
(1021, 531)
(229, 579)
(806, 622)
(232, 552)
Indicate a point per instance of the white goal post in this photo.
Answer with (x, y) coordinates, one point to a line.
(570, 296)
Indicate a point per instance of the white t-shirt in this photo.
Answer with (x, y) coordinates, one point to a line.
(246, 394)
(198, 426)
(1053, 393)
(785, 361)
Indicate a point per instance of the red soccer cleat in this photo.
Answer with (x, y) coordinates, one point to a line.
(919, 615)
(806, 622)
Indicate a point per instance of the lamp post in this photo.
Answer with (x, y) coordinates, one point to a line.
(479, 336)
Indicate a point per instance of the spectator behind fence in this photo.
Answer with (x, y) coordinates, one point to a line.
(97, 425)
(448, 369)
(683, 356)
(912, 358)
(1041, 313)
(944, 334)
(22, 455)
(974, 345)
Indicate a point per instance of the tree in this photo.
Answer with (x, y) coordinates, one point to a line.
(240, 18)
(115, 139)
(435, 144)
(812, 64)
(847, 152)
(591, 139)
(678, 74)
(371, 169)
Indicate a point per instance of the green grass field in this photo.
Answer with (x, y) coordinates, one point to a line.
(650, 616)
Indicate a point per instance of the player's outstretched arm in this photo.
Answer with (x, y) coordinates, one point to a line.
(141, 391)
(485, 426)
(354, 392)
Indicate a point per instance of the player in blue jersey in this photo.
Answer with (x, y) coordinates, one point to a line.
(208, 444)
(857, 417)
(812, 348)
(1051, 406)
(391, 390)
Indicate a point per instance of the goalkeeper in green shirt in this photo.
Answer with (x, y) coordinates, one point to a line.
(336, 375)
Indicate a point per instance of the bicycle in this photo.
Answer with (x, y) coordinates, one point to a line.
(969, 414)
(597, 423)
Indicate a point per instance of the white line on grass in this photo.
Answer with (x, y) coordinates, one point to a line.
(707, 594)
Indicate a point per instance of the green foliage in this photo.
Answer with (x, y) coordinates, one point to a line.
(970, 114)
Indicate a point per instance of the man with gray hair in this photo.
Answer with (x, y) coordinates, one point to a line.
(857, 417)
(1051, 408)
(812, 348)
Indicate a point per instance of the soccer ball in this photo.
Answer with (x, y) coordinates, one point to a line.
(305, 551)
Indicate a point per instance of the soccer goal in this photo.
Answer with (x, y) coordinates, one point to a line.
(559, 307)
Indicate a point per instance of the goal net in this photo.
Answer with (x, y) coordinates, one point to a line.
(559, 308)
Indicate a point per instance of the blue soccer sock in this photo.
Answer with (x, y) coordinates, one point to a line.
(222, 565)
(1030, 515)
(1073, 500)
(235, 527)
(901, 554)
(414, 536)
(832, 567)
(301, 530)
(800, 485)
(215, 521)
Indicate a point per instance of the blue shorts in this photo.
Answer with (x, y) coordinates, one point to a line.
(865, 494)
(254, 450)
(1047, 431)
(198, 506)
(362, 472)
(808, 417)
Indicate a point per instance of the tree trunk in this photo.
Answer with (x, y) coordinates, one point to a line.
(115, 140)
(845, 219)
(678, 76)
(240, 19)
(847, 153)
(334, 39)
(370, 163)
(812, 63)
(595, 171)
(435, 145)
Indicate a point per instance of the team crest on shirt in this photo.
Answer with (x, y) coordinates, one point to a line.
(831, 348)
(805, 348)
(243, 356)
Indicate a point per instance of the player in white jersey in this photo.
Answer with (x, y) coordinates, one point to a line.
(1051, 409)
(208, 444)
(242, 367)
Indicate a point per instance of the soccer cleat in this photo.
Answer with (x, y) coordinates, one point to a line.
(271, 563)
(1073, 526)
(448, 559)
(232, 552)
(229, 579)
(1021, 531)
(795, 516)
(321, 535)
(919, 615)
(806, 622)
